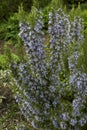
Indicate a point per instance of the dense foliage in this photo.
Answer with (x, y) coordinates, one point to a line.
(12, 6)
(8, 7)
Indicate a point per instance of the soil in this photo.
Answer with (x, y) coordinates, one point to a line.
(1, 46)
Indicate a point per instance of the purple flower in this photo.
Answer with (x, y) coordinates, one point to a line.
(52, 88)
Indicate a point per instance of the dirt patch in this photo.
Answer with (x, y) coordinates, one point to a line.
(1, 46)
